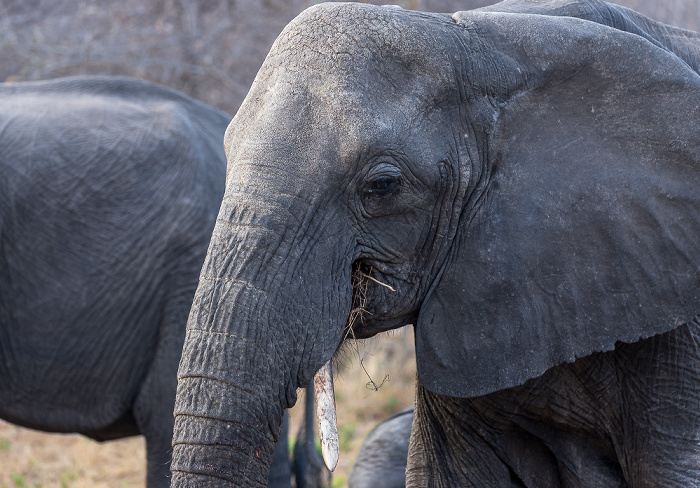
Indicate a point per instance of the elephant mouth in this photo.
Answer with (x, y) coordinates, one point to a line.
(362, 323)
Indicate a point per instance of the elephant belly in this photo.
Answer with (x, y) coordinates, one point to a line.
(57, 392)
(125, 426)
(100, 421)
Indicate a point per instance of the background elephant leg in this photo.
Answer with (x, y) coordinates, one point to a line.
(154, 405)
(660, 438)
(280, 474)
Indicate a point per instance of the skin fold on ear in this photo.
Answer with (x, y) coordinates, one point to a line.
(588, 232)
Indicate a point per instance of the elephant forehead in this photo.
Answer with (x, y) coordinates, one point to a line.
(348, 40)
(342, 81)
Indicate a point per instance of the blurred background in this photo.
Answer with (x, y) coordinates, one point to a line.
(211, 50)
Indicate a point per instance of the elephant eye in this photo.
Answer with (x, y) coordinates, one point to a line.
(383, 185)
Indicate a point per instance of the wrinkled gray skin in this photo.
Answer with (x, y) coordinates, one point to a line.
(108, 196)
(381, 462)
(528, 186)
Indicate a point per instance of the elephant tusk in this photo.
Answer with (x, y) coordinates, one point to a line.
(325, 413)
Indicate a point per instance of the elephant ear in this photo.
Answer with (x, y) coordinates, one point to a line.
(585, 228)
(683, 43)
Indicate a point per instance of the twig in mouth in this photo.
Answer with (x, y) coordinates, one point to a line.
(377, 281)
(371, 384)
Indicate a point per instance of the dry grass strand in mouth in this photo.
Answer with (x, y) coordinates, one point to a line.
(360, 281)
(361, 277)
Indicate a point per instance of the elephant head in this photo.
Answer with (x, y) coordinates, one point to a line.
(525, 190)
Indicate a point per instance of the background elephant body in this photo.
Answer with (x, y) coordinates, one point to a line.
(381, 462)
(521, 183)
(108, 197)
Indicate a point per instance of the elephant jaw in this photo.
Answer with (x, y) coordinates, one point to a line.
(325, 413)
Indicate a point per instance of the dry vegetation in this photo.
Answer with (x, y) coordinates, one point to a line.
(34, 459)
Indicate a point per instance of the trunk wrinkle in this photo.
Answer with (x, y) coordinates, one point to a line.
(219, 380)
(236, 336)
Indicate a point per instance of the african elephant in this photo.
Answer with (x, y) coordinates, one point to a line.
(521, 187)
(109, 192)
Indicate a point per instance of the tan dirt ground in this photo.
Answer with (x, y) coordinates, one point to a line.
(31, 459)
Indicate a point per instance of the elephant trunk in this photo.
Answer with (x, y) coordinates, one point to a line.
(255, 334)
(223, 415)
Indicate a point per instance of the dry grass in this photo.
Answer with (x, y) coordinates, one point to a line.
(34, 459)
